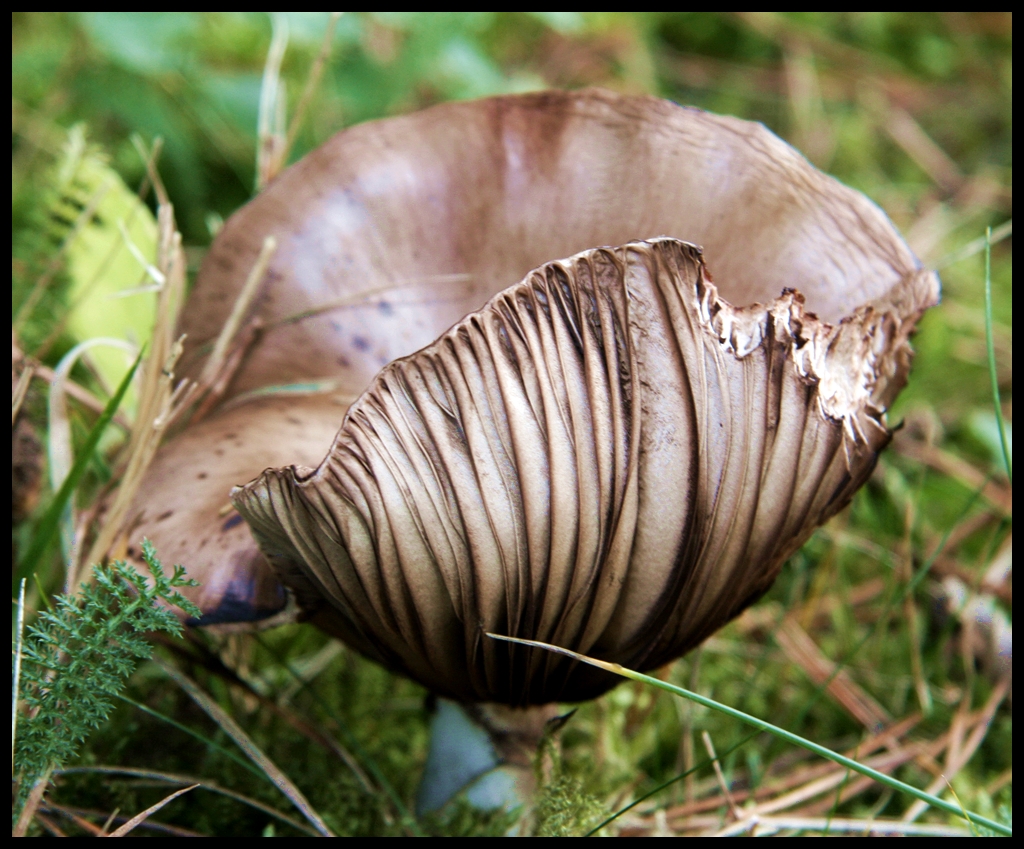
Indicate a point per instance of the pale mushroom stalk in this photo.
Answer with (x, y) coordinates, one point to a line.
(564, 429)
(487, 752)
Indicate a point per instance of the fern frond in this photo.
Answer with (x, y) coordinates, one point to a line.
(78, 657)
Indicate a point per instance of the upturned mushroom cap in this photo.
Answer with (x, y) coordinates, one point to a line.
(615, 454)
(607, 457)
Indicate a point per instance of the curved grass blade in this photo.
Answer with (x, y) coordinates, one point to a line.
(183, 780)
(365, 760)
(276, 776)
(152, 809)
(242, 762)
(49, 523)
(691, 771)
(761, 725)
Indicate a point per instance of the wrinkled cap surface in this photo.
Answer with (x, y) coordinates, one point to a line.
(615, 454)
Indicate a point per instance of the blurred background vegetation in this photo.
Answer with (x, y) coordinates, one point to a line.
(912, 109)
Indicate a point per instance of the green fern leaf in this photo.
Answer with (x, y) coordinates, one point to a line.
(78, 657)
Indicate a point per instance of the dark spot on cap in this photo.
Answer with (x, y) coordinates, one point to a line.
(251, 594)
(360, 343)
(231, 522)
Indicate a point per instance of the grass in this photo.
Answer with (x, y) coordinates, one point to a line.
(881, 640)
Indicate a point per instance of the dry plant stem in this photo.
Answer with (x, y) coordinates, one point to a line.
(709, 747)
(914, 629)
(956, 467)
(976, 246)
(312, 81)
(152, 809)
(803, 776)
(822, 788)
(922, 149)
(206, 784)
(21, 387)
(340, 303)
(35, 797)
(299, 723)
(212, 391)
(812, 133)
(957, 757)
(155, 395)
(109, 821)
(238, 311)
(270, 121)
(50, 825)
(802, 650)
(246, 744)
(82, 395)
(923, 755)
(1004, 779)
(222, 363)
(78, 817)
(762, 826)
(812, 787)
(904, 575)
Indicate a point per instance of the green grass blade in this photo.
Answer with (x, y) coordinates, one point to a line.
(213, 745)
(761, 725)
(990, 342)
(271, 771)
(50, 522)
(695, 768)
(365, 760)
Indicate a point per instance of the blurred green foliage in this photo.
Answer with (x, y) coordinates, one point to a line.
(193, 79)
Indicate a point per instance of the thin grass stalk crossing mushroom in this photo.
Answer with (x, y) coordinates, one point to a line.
(615, 453)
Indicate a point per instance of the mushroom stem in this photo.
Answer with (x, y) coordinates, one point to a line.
(486, 751)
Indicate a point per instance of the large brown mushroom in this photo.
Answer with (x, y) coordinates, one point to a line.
(608, 457)
(608, 450)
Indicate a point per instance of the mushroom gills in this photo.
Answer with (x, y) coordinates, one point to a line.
(608, 457)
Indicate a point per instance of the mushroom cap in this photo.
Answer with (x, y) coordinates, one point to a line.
(615, 454)
(607, 457)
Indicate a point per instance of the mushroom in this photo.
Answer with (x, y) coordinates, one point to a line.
(608, 457)
(615, 453)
